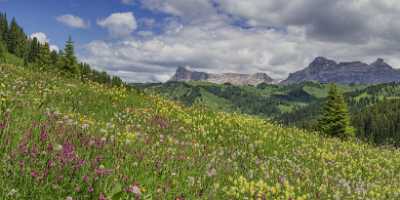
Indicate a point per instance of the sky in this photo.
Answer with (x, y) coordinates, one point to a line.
(146, 40)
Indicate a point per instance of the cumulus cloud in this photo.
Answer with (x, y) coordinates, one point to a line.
(276, 37)
(328, 20)
(72, 21)
(42, 38)
(119, 24)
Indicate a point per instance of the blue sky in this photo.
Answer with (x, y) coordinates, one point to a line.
(40, 16)
(146, 40)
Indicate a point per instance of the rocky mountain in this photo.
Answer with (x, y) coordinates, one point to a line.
(329, 71)
(182, 75)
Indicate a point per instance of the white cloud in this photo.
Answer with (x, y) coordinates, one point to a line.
(205, 36)
(73, 21)
(42, 38)
(119, 24)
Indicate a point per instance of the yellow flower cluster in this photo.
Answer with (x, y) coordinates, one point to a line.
(245, 189)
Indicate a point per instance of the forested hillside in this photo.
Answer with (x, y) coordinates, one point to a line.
(296, 105)
(17, 48)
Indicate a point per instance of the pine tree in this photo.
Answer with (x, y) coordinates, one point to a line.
(16, 39)
(116, 81)
(335, 119)
(69, 61)
(3, 28)
(44, 58)
(34, 50)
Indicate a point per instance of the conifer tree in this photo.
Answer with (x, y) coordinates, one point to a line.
(69, 61)
(44, 58)
(3, 28)
(335, 119)
(16, 39)
(34, 50)
(116, 81)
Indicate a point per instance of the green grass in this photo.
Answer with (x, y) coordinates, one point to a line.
(62, 138)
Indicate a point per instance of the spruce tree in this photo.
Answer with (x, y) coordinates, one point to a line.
(3, 28)
(335, 118)
(69, 61)
(44, 58)
(34, 50)
(16, 39)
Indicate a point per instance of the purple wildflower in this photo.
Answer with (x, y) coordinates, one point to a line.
(43, 134)
(102, 197)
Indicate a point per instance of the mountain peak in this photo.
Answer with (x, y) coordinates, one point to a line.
(380, 63)
(322, 61)
(183, 74)
(328, 71)
(182, 69)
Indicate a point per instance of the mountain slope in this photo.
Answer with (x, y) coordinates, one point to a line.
(61, 138)
(293, 105)
(270, 101)
(328, 71)
(183, 75)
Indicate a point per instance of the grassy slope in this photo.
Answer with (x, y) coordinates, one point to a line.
(63, 138)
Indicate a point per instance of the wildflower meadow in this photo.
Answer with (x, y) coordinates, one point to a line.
(64, 139)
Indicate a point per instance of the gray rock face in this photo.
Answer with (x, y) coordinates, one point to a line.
(328, 71)
(182, 74)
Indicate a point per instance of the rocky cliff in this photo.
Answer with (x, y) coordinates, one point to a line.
(329, 71)
(183, 74)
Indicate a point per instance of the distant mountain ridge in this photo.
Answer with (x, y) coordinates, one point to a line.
(324, 70)
(320, 70)
(182, 75)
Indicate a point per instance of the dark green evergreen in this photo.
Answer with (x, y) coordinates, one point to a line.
(68, 61)
(380, 123)
(16, 40)
(34, 50)
(44, 58)
(3, 28)
(335, 117)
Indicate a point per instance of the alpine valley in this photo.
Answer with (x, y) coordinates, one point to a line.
(297, 101)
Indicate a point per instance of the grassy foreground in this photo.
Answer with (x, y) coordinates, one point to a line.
(62, 139)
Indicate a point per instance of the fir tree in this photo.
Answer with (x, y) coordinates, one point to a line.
(44, 58)
(34, 51)
(116, 81)
(335, 119)
(3, 28)
(16, 39)
(69, 61)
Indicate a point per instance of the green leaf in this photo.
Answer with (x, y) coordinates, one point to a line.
(116, 192)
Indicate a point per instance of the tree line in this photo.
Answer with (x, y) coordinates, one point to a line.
(38, 55)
